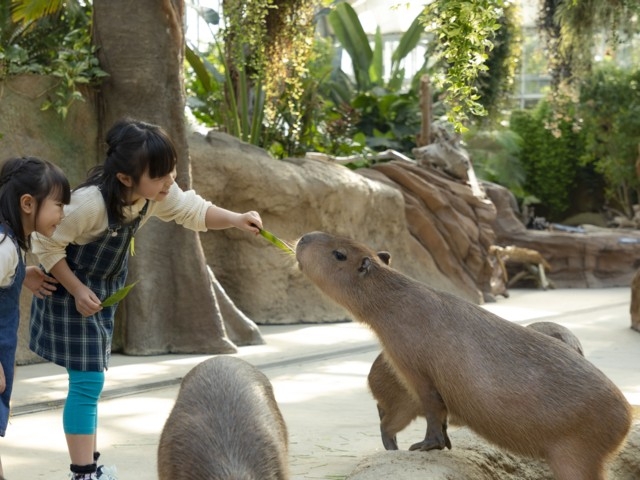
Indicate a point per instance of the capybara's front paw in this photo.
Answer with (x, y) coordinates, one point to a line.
(434, 442)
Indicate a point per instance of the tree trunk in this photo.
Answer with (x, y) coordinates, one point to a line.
(173, 307)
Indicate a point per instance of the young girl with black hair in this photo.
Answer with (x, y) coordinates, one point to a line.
(88, 256)
(32, 195)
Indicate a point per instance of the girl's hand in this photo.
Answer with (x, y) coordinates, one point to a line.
(38, 282)
(249, 222)
(87, 303)
(3, 380)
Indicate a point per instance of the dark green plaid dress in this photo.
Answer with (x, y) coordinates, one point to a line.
(59, 333)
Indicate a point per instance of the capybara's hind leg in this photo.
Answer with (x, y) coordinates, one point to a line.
(387, 433)
(436, 414)
(394, 421)
(577, 466)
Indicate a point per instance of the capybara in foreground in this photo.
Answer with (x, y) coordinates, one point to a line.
(225, 425)
(508, 383)
(398, 406)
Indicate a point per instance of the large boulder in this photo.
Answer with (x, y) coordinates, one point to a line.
(450, 220)
(295, 196)
(26, 130)
(473, 458)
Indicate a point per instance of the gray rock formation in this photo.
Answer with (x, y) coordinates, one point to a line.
(296, 196)
(473, 458)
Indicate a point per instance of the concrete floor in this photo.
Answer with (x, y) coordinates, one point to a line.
(319, 377)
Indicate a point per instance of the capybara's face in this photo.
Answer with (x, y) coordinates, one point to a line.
(339, 266)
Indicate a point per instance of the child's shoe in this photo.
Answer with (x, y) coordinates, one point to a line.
(106, 473)
(82, 476)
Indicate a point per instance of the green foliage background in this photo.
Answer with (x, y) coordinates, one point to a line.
(609, 111)
(549, 157)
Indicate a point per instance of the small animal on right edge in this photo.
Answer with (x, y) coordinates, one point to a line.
(398, 407)
(513, 386)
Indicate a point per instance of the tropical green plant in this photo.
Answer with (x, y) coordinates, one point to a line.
(571, 29)
(463, 31)
(40, 37)
(495, 85)
(551, 148)
(215, 99)
(367, 62)
(386, 112)
(254, 82)
(496, 157)
(609, 112)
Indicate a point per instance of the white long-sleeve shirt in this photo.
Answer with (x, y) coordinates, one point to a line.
(8, 261)
(86, 219)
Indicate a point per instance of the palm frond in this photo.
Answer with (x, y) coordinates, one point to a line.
(24, 11)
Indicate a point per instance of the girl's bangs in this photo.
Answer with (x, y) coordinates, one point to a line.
(59, 188)
(162, 157)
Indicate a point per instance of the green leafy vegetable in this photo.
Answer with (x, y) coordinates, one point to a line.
(276, 241)
(118, 295)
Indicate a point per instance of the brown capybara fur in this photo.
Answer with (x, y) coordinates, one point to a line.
(398, 406)
(225, 425)
(508, 383)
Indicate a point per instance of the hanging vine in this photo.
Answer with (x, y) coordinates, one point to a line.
(463, 31)
(272, 40)
(571, 28)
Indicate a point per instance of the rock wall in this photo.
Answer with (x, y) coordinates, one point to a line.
(597, 258)
(296, 196)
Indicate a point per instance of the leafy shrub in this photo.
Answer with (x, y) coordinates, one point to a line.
(550, 153)
(56, 44)
(610, 115)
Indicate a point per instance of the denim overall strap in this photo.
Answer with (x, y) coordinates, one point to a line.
(9, 320)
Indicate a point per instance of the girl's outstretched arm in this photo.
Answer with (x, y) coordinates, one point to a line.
(87, 302)
(219, 218)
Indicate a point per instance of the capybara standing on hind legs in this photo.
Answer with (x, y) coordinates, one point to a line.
(224, 425)
(398, 406)
(508, 383)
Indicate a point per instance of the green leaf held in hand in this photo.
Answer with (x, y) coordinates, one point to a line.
(118, 295)
(276, 241)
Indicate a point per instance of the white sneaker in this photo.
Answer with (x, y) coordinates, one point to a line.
(106, 473)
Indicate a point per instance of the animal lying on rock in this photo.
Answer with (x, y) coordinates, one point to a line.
(398, 406)
(508, 383)
(224, 425)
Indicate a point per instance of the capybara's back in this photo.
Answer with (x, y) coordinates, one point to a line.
(225, 425)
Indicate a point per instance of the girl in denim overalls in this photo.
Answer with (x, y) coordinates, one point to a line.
(32, 194)
(88, 256)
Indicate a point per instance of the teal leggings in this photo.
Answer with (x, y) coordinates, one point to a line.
(80, 415)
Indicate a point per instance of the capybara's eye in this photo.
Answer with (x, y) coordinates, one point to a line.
(339, 255)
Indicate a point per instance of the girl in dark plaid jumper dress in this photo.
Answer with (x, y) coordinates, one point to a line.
(88, 256)
(32, 194)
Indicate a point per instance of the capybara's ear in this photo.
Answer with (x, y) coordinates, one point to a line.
(365, 266)
(385, 257)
